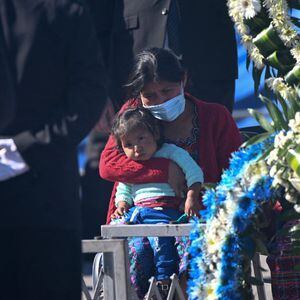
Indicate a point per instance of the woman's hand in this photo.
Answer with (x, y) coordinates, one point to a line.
(123, 207)
(176, 179)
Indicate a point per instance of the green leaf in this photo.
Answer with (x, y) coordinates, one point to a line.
(295, 105)
(284, 106)
(283, 232)
(275, 113)
(282, 60)
(295, 250)
(256, 139)
(248, 62)
(295, 21)
(267, 152)
(264, 123)
(268, 41)
(209, 185)
(295, 228)
(293, 159)
(293, 76)
(256, 75)
(295, 236)
(274, 72)
(267, 76)
(293, 231)
(289, 215)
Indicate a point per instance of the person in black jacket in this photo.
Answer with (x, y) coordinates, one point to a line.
(7, 90)
(200, 32)
(56, 66)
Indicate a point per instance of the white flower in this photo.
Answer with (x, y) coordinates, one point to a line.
(297, 208)
(222, 216)
(295, 182)
(294, 124)
(273, 171)
(288, 196)
(273, 156)
(249, 8)
(230, 205)
(296, 53)
(274, 83)
(278, 85)
(276, 182)
(211, 290)
(280, 140)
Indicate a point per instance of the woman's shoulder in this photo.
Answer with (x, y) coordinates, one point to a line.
(207, 109)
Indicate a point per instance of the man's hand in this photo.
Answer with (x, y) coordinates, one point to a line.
(176, 179)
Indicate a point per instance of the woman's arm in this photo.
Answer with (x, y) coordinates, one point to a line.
(115, 166)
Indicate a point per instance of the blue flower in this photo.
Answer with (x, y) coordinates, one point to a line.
(248, 203)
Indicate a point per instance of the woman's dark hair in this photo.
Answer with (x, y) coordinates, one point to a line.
(152, 65)
(132, 119)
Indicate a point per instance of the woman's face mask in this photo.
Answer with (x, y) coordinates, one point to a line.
(169, 110)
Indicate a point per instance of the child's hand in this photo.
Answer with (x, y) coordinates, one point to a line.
(123, 207)
(192, 207)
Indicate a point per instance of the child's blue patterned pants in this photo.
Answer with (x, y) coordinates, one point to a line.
(152, 256)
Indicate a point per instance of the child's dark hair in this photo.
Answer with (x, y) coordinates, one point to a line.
(134, 118)
(152, 65)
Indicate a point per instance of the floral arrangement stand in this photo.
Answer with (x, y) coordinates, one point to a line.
(262, 292)
(265, 172)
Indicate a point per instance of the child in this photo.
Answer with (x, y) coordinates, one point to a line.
(137, 132)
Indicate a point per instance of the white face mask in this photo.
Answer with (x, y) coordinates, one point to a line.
(169, 110)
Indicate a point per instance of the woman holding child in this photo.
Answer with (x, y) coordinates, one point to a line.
(205, 130)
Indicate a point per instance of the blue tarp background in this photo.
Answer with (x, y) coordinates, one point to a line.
(244, 91)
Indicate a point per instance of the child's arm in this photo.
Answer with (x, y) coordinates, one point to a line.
(122, 208)
(124, 199)
(193, 172)
(192, 205)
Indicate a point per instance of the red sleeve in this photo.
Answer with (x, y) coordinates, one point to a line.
(111, 206)
(115, 166)
(229, 138)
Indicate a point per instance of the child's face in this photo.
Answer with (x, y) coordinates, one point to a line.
(139, 145)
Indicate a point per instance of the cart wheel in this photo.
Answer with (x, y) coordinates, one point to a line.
(96, 270)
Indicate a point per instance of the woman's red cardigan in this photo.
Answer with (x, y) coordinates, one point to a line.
(218, 138)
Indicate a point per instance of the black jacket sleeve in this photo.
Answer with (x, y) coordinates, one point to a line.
(85, 94)
(7, 86)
